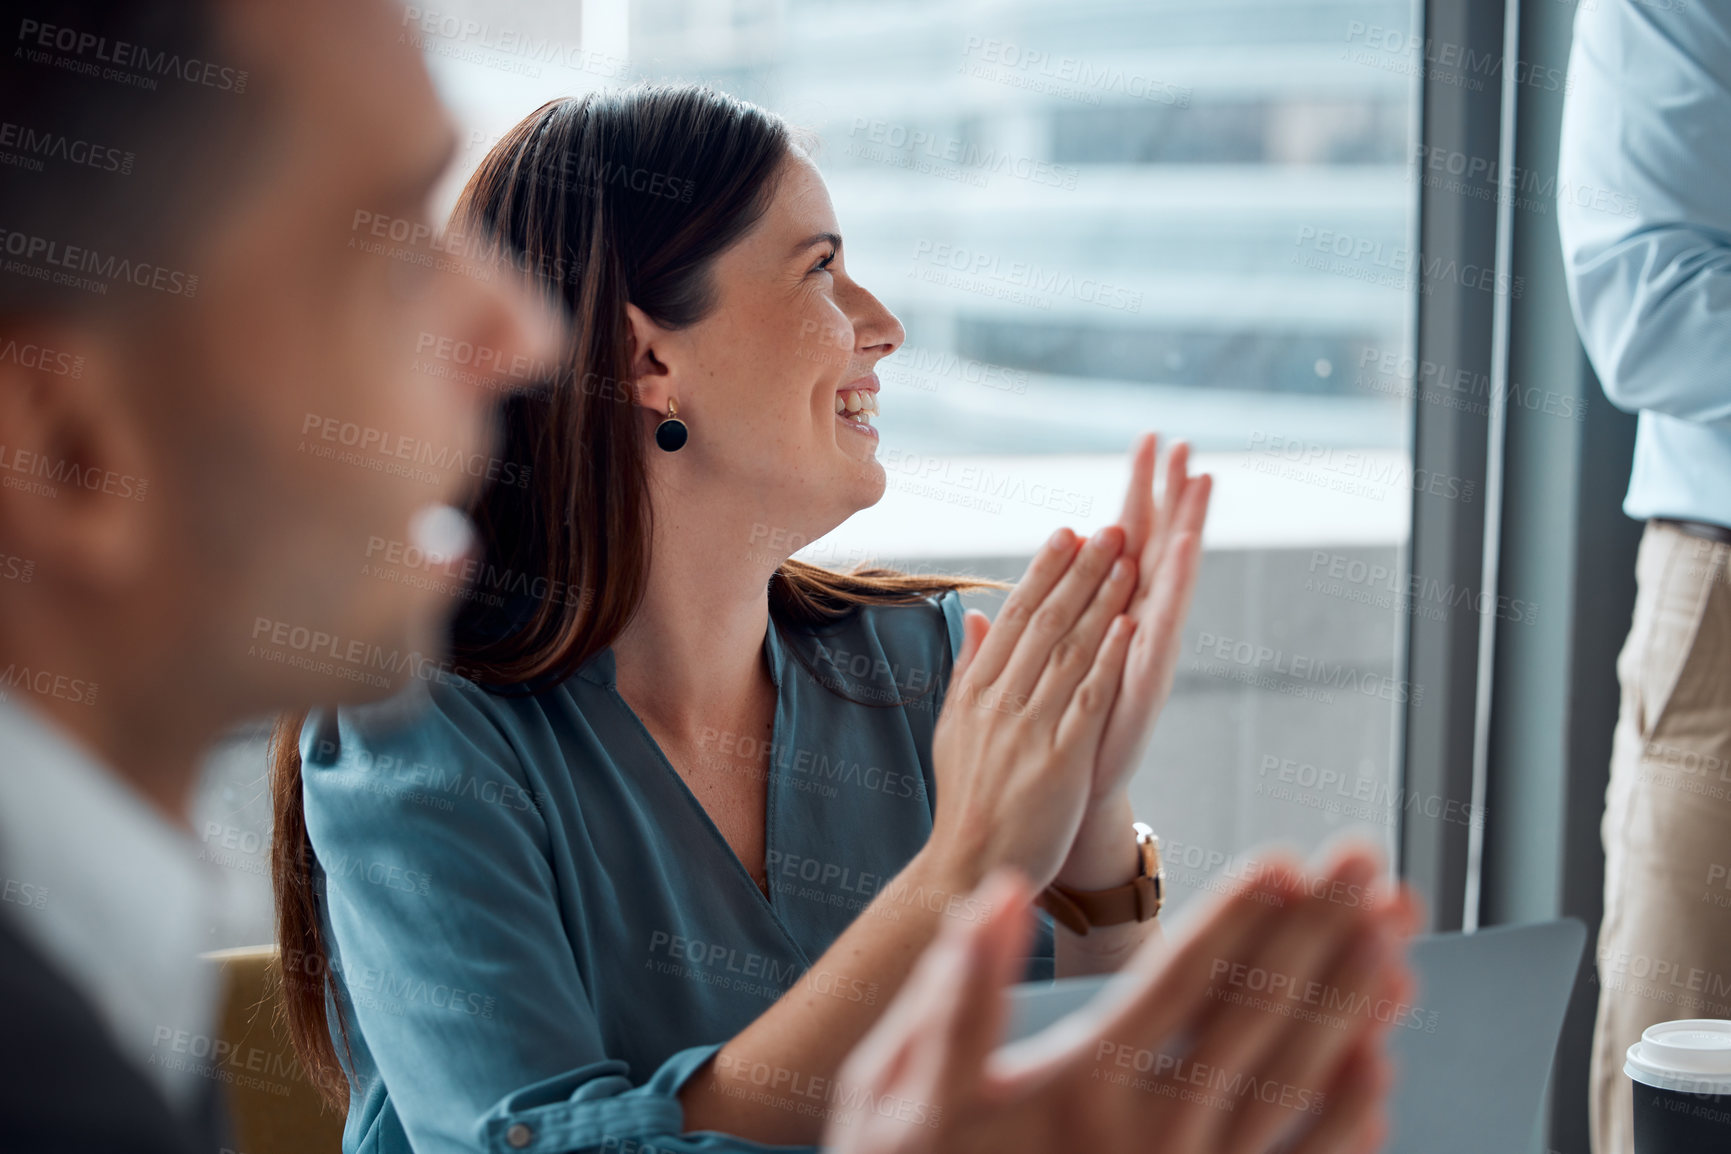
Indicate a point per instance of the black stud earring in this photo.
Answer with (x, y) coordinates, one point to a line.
(671, 433)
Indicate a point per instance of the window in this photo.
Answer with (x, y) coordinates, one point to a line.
(1101, 217)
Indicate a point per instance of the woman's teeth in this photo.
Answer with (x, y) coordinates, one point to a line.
(857, 405)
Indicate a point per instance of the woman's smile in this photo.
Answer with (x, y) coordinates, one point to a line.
(856, 405)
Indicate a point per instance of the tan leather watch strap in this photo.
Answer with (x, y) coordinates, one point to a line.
(1139, 900)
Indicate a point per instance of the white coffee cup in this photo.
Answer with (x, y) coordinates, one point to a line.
(1682, 1082)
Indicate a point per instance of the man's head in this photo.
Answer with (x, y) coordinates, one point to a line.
(222, 397)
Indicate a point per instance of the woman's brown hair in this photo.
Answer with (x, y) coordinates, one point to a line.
(613, 198)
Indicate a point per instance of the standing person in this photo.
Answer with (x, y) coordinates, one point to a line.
(179, 298)
(1646, 230)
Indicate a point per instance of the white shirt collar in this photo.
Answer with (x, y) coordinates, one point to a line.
(113, 894)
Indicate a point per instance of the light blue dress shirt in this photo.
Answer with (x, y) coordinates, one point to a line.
(1644, 209)
(538, 934)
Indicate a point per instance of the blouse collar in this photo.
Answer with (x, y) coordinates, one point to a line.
(603, 670)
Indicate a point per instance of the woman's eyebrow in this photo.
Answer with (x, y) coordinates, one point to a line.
(831, 238)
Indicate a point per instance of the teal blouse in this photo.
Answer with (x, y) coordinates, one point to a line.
(537, 934)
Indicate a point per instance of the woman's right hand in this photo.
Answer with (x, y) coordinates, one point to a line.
(1016, 741)
(1014, 753)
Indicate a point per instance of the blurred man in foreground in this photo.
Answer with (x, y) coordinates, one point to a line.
(191, 296)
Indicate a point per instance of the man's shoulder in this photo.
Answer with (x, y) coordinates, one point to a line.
(64, 1086)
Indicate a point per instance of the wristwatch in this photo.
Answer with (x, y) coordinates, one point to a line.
(1138, 900)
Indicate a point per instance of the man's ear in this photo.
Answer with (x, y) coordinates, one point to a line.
(75, 489)
(651, 376)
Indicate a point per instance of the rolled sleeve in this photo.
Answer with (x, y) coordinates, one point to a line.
(595, 1108)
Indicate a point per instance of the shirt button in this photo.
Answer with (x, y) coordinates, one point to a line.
(518, 1135)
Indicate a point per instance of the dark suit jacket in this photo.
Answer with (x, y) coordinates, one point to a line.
(64, 1087)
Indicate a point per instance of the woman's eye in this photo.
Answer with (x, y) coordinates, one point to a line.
(823, 265)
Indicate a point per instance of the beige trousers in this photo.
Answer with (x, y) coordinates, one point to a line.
(1665, 945)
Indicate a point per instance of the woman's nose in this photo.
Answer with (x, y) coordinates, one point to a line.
(876, 326)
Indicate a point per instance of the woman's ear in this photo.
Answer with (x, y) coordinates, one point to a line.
(651, 376)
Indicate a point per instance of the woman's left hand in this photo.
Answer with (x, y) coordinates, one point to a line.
(1164, 538)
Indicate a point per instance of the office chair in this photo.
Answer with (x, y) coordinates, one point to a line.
(272, 1106)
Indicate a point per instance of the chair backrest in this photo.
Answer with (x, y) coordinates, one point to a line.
(272, 1106)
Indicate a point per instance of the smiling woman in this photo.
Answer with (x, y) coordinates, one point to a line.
(749, 789)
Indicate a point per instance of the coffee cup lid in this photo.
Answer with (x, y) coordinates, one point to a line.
(1691, 1056)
